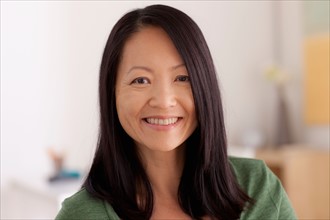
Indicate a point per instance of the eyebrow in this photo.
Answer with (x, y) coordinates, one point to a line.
(178, 66)
(150, 70)
(139, 68)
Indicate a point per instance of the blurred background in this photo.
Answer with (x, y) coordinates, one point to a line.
(272, 59)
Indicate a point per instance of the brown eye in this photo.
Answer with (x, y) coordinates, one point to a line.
(183, 78)
(140, 80)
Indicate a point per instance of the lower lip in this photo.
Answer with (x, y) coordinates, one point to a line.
(162, 127)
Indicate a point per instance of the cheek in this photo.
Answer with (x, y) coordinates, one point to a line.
(125, 115)
(124, 107)
(128, 107)
(190, 106)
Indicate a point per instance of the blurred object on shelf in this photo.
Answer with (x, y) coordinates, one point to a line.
(317, 79)
(241, 151)
(253, 139)
(60, 172)
(277, 75)
(280, 78)
(316, 54)
(304, 173)
(283, 132)
(36, 198)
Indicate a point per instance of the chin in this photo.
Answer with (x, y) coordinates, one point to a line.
(162, 148)
(166, 148)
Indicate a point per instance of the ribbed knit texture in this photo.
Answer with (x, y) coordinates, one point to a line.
(254, 177)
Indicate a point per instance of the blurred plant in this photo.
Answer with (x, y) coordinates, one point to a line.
(276, 75)
(280, 78)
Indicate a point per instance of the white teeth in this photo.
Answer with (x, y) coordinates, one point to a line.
(158, 121)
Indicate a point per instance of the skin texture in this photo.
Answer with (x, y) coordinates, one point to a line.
(153, 82)
(161, 90)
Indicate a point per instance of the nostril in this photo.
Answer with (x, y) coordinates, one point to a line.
(162, 102)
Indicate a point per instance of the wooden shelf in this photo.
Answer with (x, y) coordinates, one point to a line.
(304, 173)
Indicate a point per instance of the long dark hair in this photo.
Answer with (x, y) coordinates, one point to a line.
(208, 186)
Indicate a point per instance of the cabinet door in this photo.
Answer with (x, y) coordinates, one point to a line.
(306, 179)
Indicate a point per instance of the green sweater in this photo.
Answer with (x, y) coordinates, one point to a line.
(253, 176)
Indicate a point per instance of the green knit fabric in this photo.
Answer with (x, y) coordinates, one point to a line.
(253, 176)
(264, 187)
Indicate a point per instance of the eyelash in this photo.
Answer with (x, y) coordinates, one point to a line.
(143, 80)
(185, 77)
(137, 80)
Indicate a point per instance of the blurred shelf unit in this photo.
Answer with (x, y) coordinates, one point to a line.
(304, 173)
(36, 198)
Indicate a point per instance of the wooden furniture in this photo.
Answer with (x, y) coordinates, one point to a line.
(304, 173)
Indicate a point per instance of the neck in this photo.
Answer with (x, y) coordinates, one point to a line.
(164, 170)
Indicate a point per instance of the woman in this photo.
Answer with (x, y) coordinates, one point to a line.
(162, 145)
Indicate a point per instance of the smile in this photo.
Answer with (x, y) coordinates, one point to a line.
(159, 121)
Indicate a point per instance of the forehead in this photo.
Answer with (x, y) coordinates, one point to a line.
(147, 35)
(150, 45)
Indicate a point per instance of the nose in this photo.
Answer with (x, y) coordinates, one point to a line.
(162, 96)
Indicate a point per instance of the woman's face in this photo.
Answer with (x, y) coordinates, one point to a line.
(153, 93)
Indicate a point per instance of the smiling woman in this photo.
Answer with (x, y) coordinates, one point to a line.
(154, 100)
(162, 151)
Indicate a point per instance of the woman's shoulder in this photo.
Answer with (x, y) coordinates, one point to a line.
(260, 183)
(247, 169)
(254, 176)
(82, 205)
(243, 163)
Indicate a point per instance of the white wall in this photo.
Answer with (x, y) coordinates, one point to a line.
(50, 56)
(291, 36)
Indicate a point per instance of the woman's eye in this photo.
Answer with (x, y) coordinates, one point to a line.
(183, 78)
(140, 80)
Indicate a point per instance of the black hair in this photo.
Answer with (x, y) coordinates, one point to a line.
(208, 185)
